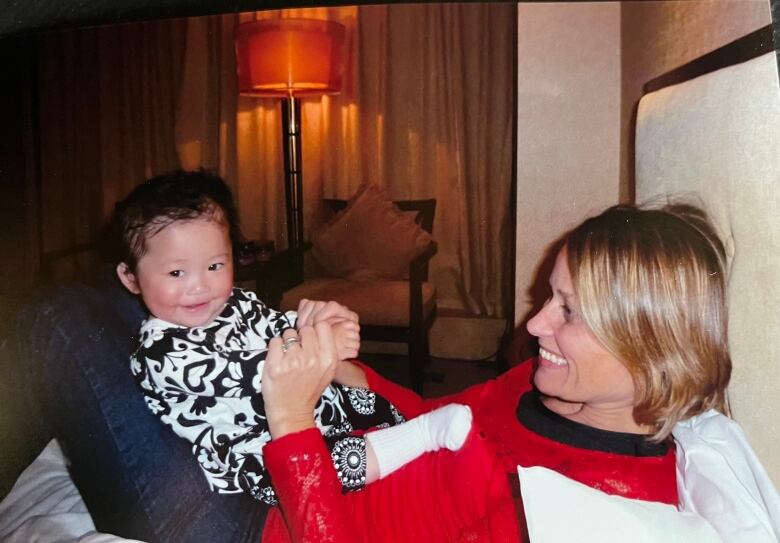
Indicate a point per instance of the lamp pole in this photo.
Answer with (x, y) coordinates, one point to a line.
(293, 189)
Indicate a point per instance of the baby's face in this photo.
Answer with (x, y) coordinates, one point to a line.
(186, 275)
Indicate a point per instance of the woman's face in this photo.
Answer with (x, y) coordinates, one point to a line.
(573, 365)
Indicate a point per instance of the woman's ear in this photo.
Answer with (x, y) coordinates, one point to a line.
(127, 277)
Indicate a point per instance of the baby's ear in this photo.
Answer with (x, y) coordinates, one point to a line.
(127, 277)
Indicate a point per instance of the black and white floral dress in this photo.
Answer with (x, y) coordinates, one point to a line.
(205, 384)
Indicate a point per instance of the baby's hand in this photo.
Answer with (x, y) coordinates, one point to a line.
(346, 337)
(311, 312)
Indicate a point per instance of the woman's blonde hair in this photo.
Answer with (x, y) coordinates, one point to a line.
(651, 287)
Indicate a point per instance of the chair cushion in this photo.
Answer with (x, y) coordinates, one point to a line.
(378, 303)
(369, 240)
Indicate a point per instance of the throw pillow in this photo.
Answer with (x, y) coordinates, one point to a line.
(371, 239)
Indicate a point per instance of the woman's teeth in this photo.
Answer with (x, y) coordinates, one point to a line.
(550, 357)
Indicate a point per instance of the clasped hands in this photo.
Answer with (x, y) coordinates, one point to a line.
(344, 323)
(301, 364)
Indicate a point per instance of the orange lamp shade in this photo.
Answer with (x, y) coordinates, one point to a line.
(289, 57)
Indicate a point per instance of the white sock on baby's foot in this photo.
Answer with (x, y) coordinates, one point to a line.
(446, 427)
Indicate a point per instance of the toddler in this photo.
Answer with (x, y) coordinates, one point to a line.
(200, 359)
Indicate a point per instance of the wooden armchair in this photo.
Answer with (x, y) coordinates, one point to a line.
(390, 310)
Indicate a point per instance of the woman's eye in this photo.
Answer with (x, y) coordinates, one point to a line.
(217, 266)
(566, 312)
(176, 273)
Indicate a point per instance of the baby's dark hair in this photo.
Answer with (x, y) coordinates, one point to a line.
(170, 197)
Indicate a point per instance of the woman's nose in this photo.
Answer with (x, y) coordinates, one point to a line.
(539, 325)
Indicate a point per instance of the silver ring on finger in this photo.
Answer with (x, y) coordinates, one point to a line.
(289, 342)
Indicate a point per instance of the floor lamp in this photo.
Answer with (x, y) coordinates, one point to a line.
(290, 59)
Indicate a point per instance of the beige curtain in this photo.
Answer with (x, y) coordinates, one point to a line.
(206, 120)
(106, 116)
(436, 106)
(426, 111)
(436, 103)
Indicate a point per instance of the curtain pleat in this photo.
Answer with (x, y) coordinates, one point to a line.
(107, 115)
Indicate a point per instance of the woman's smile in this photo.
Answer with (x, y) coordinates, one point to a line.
(551, 358)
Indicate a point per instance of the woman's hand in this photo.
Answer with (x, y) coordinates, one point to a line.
(298, 368)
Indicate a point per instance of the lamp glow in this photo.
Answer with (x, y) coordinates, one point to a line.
(282, 57)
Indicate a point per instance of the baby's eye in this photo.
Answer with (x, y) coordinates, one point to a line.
(176, 273)
(217, 266)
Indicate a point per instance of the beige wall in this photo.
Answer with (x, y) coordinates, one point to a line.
(581, 67)
(568, 125)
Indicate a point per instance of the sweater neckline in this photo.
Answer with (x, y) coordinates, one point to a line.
(534, 415)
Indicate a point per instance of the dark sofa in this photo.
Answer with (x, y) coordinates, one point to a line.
(65, 370)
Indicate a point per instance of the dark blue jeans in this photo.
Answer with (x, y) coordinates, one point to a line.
(137, 478)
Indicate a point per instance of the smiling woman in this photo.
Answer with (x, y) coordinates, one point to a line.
(626, 275)
(575, 367)
(610, 383)
(658, 276)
